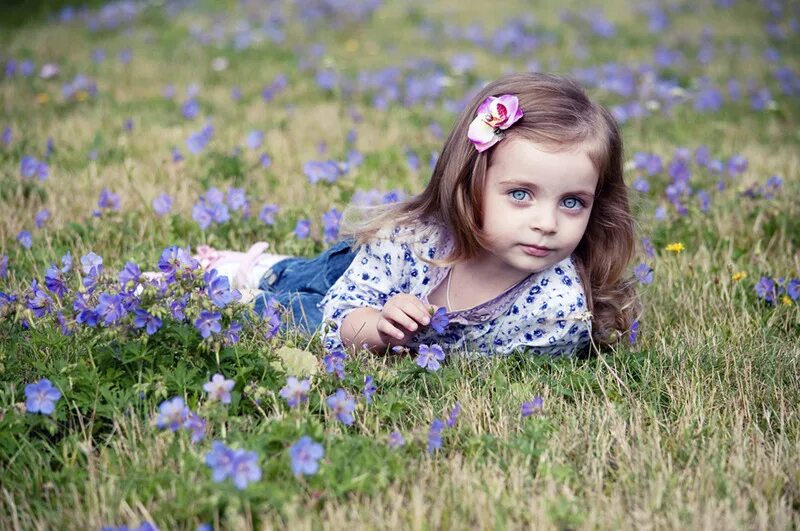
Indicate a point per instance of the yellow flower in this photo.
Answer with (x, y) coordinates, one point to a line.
(42, 98)
(739, 275)
(81, 95)
(676, 247)
(786, 300)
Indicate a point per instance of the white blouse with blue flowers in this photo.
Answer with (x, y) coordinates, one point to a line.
(545, 311)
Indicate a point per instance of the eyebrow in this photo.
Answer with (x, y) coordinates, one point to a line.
(529, 184)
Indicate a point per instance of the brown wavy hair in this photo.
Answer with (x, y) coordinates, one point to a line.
(558, 115)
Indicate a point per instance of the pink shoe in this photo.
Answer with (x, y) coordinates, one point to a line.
(239, 265)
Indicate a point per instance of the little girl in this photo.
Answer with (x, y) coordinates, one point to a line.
(523, 235)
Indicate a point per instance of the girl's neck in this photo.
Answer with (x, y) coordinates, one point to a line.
(474, 282)
(487, 270)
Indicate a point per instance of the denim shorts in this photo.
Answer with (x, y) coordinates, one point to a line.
(299, 284)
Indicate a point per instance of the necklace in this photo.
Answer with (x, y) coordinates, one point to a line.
(447, 293)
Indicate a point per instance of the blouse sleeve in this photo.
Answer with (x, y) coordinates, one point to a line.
(376, 274)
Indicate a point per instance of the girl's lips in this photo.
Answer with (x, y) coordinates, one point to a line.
(535, 250)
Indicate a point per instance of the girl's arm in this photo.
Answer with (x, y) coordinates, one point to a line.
(394, 324)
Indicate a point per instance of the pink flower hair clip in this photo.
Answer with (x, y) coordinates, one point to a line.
(494, 115)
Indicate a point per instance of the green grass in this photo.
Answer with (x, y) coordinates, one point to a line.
(696, 426)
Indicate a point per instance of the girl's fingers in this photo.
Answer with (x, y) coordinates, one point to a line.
(419, 313)
(400, 317)
(386, 327)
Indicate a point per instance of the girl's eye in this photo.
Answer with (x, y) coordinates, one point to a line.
(572, 203)
(518, 195)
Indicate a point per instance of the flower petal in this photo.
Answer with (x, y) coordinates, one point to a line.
(480, 131)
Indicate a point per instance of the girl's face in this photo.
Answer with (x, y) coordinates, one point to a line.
(536, 205)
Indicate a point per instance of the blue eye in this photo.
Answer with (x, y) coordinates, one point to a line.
(518, 195)
(572, 203)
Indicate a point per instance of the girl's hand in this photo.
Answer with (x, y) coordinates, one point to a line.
(401, 316)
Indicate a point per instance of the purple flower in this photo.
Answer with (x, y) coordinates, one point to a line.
(452, 418)
(31, 167)
(190, 108)
(369, 388)
(237, 199)
(109, 308)
(218, 288)
(172, 413)
(41, 397)
(295, 391)
(55, 281)
(330, 222)
(40, 218)
(208, 323)
(39, 302)
(175, 262)
(439, 319)
(334, 362)
(265, 161)
(129, 275)
(231, 335)
(244, 468)
(198, 141)
(270, 314)
(162, 204)
(302, 229)
(150, 322)
(25, 239)
(4, 266)
(84, 313)
(218, 388)
(7, 136)
(535, 406)
(634, 332)
(108, 200)
(643, 273)
(766, 289)
(66, 262)
(435, 435)
(430, 357)
(197, 425)
(267, 214)
(220, 459)
(737, 164)
(793, 289)
(396, 440)
(177, 156)
(342, 406)
(316, 171)
(641, 185)
(91, 264)
(305, 455)
(255, 139)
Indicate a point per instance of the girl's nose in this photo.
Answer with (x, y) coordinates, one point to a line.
(545, 220)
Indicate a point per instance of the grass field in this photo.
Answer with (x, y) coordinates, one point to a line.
(694, 424)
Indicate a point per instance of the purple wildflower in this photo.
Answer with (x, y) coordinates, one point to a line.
(4, 266)
(109, 308)
(220, 459)
(219, 388)
(369, 388)
(430, 357)
(145, 320)
(172, 413)
(295, 391)
(55, 281)
(334, 363)
(643, 273)
(342, 406)
(41, 397)
(41, 217)
(218, 288)
(129, 275)
(108, 200)
(305, 455)
(634, 332)
(196, 425)
(330, 222)
(766, 289)
(91, 264)
(232, 333)
(162, 204)
(208, 323)
(535, 406)
(25, 239)
(396, 440)
(255, 139)
(439, 319)
(39, 302)
(244, 468)
(452, 417)
(302, 229)
(435, 435)
(267, 214)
